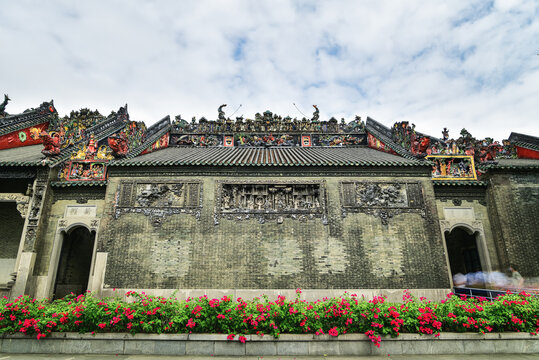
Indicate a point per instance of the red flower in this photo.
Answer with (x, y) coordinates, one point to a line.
(190, 323)
(230, 337)
(333, 331)
(242, 339)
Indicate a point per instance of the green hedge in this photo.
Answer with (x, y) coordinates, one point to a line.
(346, 314)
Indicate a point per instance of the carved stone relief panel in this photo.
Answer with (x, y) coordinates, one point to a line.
(35, 209)
(381, 199)
(270, 200)
(91, 222)
(159, 199)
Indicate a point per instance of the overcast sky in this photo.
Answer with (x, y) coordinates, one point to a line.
(437, 64)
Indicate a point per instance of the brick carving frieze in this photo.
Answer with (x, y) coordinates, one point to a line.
(381, 199)
(265, 200)
(35, 209)
(159, 199)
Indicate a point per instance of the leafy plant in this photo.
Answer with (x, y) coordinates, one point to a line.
(142, 313)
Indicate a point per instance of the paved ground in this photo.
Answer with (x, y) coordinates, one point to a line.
(147, 357)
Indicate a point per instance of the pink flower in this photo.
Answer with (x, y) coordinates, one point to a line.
(190, 323)
(102, 326)
(221, 316)
(214, 302)
(242, 339)
(230, 337)
(292, 311)
(333, 331)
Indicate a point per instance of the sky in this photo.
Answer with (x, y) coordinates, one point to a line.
(455, 64)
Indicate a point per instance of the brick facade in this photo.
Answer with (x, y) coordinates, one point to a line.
(357, 251)
(513, 200)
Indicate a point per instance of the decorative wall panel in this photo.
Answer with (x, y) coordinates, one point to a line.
(270, 200)
(382, 199)
(159, 199)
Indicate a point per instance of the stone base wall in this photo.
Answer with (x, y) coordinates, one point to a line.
(286, 345)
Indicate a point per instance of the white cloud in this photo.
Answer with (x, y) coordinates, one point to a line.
(454, 64)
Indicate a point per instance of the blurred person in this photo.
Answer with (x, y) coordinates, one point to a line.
(516, 279)
(459, 280)
(476, 279)
(497, 280)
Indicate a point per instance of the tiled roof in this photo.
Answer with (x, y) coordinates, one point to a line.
(22, 156)
(525, 141)
(296, 156)
(526, 145)
(29, 118)
(511, 164)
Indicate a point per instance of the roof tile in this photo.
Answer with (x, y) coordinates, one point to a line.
(297, 156)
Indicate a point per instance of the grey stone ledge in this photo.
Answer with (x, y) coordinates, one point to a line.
(287, 344)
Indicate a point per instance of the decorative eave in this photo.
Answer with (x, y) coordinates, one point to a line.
(473, 183)
(153, 133)
(101, 131)
(27, 119)
(63, 184)
(383, 134)
(511, 164)
(22, 163)
(526, 145)
(525, 141)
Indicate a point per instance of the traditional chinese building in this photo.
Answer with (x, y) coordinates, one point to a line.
(251, 206)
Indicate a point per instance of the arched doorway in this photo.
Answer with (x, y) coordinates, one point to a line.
(12, 226)
(75, 262)
(463, 251)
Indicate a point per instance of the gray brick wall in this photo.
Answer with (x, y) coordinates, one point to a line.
(357, 251)
(513, 201)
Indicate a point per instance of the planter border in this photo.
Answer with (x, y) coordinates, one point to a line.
(287, 344)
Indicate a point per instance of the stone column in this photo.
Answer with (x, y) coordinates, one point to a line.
(26, 258)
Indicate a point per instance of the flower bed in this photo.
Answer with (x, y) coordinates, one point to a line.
(262, 316)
